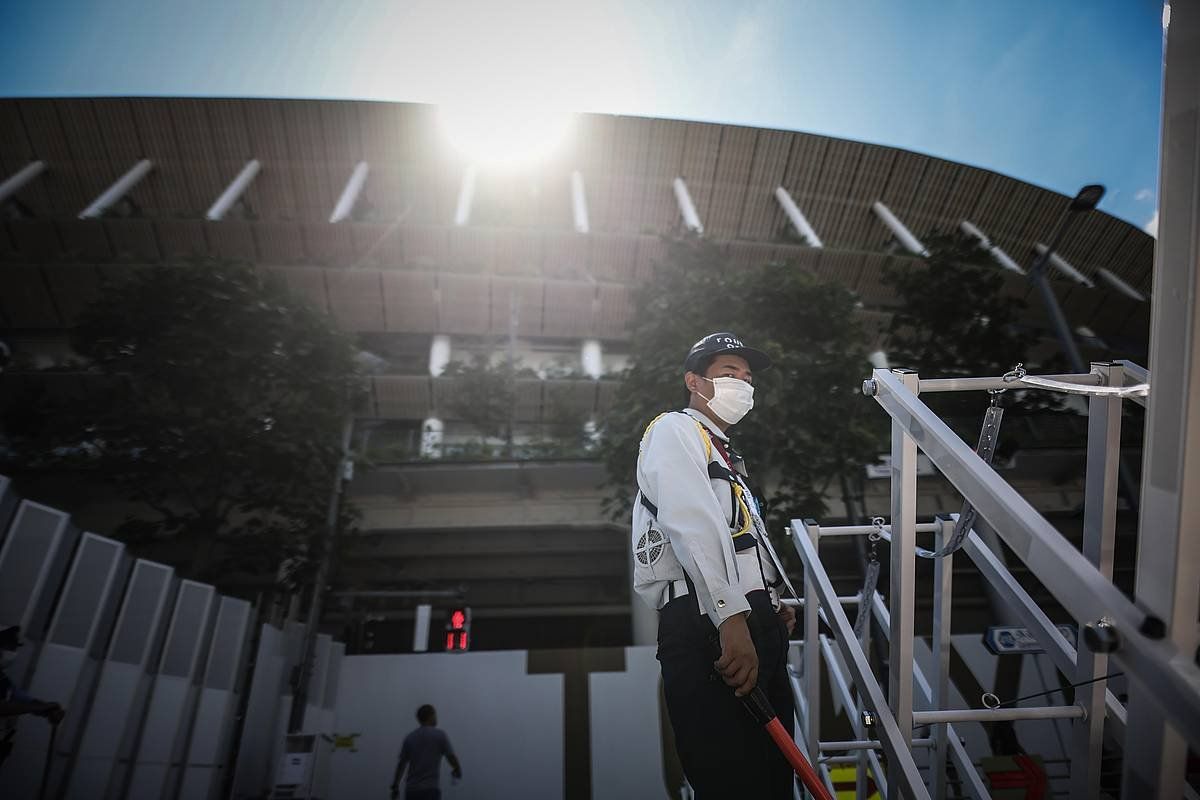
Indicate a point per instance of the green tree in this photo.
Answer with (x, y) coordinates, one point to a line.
(953, 319)
(217, 405)
(811, 424)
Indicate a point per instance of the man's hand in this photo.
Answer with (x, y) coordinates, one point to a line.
(738, 664)
(788, 615)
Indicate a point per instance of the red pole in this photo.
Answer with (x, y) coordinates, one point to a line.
(760, 708)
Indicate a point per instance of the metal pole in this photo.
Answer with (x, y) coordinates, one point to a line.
(796, 217)
(118, 190)
(967, 773)
(1159, 663)
(304, 671)
(894, 744)
(845, 599)
(866, 530)
(233, 191)
(866, 744)
(865, 757)
(902, 575)
(687, 209)
(1168, 556)
(931, 385)
(1099, 541)
(17, 181)
(943, 574)
(903, 234)
(349, 196)
(997, 714)
(1037, 274)
(812, 652)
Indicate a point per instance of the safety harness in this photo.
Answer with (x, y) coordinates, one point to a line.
(743, 521)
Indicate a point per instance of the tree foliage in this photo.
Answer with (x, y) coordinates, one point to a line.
(954, 319)
(810, 424)
(221, 413)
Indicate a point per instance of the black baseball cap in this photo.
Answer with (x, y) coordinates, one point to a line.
(724, 342)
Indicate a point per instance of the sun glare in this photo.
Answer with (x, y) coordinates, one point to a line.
(504, 134)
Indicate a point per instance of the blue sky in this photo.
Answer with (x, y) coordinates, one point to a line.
(1054, 92)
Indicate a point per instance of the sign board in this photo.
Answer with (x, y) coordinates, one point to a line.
(1006, 639)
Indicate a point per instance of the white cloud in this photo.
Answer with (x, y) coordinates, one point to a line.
(1151, 227)
(1143, 195)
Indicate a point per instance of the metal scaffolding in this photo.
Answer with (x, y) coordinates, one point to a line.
(1113, 627)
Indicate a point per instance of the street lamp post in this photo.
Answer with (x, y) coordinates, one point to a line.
(1085, 200)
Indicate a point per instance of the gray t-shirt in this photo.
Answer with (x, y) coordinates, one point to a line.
(423, 750)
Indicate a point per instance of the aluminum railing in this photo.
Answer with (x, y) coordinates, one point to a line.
(1079, 578)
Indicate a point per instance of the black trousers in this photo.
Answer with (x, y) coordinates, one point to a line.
(724, 752)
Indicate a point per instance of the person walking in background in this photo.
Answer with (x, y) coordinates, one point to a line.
(13, 701)
(422, 755)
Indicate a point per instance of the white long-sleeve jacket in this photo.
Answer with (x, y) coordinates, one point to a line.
(691, 531)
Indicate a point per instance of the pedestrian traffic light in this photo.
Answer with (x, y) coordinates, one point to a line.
(458, 630)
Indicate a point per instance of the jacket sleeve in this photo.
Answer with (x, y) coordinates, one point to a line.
(673, 474)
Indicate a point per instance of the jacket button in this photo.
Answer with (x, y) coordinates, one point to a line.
(720, 604)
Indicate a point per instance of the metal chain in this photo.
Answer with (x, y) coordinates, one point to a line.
(867, 594)
(985, 449)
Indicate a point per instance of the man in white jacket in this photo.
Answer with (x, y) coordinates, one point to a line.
(702, 558)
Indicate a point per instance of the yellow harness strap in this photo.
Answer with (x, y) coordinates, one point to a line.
(699, 426)
(741, 508)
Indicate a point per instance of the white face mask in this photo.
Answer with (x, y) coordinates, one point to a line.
(732, 399)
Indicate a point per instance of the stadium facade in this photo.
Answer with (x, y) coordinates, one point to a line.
(365, 211)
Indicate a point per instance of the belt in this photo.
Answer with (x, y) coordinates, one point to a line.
(679, 588)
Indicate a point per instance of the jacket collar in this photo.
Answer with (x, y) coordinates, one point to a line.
(707, 423)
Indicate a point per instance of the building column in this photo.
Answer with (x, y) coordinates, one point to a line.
(439, 354)
(591, 356)
(431, 437)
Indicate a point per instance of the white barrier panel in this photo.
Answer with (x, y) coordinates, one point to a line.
(67, 669)
(172, 704)
(293, 647)
(314, 713)
(112, 724)
(337, 652)
(251, 772)
(267, 710)
(33, 560)
(205, 763)
(625, 730)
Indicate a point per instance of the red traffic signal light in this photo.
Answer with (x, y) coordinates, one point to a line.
(458, 630)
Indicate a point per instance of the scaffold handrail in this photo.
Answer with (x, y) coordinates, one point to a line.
(1170, 678)
(870, 691)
